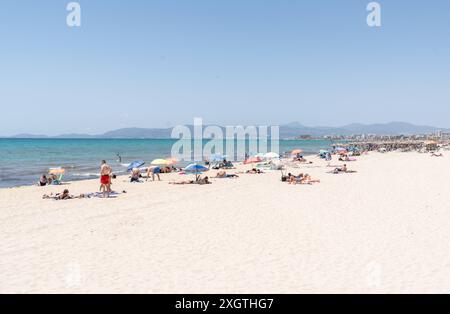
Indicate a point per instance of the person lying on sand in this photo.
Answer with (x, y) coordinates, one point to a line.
(254, 171)
(291, 179)
(223, 174)
(65, 195)
(346, 158)
(307, 179)
(183, 182)
(433, 154)
(342, 169)
(301, 179)
(302, 160)
(204, 180)
(200, 181)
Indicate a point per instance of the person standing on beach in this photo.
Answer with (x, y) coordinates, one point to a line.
(152, 171)
(105, 178)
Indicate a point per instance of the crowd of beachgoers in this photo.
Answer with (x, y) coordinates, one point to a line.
(342, 153)
(303, 223)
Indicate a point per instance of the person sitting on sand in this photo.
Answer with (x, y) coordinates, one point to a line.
(342, 169)
(135, 175)
(52, 179)
(223, 174)
(43, 180)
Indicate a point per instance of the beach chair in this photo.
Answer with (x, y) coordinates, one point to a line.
(58, 173)
(58, 180)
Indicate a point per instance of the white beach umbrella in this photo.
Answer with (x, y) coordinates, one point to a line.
(271, 155)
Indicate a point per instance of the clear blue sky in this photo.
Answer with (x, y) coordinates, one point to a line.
(158, 63)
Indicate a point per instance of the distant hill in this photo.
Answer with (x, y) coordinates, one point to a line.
(138, 133)
(289, 130)
(26, 135)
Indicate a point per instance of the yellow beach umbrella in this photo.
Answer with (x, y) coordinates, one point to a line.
(56, 171)
(161, 162)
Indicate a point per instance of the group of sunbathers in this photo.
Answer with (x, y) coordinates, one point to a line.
(222, 165)
(300, 179)
(65, 195)
(299, 158)
(48, 180)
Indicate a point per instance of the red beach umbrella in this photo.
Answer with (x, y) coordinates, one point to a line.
(252, 160)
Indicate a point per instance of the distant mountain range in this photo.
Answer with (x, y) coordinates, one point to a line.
(289, 130)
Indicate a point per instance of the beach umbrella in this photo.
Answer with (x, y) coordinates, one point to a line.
(161, 162)
(340, 150)
(258, 155)
(271, 155)
(195, 168)
(135, 164)
(57, 171)
(217, 157)
(296, 151)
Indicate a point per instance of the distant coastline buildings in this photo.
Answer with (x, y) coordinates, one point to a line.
(438, 136)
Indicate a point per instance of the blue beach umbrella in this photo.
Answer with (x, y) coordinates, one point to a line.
(135, 164)
(195, 168)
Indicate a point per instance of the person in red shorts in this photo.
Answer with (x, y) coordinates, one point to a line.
(105, 178)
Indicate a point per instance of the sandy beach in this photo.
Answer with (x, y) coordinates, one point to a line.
(384, 229)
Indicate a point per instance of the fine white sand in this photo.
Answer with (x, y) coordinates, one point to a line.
(385, 229)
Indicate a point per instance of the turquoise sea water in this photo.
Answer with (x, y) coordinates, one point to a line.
(23, 161)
